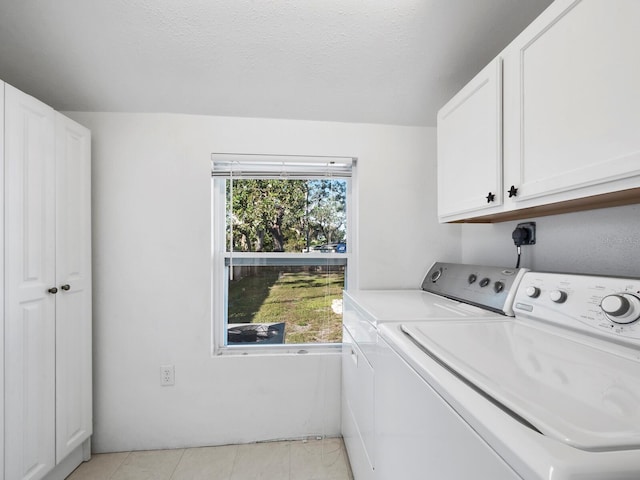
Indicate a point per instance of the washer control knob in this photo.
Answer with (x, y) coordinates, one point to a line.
(621, 307)
(436, 275)
(498, 287)
(533, 292)
(472, 278)
(485, 281)
(558, 296)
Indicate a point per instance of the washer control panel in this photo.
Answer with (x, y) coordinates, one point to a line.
(492, 288)
(608, 306)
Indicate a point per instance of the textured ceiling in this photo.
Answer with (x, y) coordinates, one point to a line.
(375, 61)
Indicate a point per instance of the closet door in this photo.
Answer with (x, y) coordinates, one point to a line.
(29, 280)
(73, 274)
(2, 277)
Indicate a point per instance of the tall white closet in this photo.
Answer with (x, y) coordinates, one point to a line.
(47, 290)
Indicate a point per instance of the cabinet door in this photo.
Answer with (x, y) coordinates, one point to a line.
(73, 274)
(470, 146)
(2, 278)
(29, 274)
(571, 96)
(357, 391)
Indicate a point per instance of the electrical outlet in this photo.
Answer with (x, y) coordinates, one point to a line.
(525, 234)
(167, 375)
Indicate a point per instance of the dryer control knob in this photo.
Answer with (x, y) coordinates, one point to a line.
(558, 296)
(621, 307)
(533, 292)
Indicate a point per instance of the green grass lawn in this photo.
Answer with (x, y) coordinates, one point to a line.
(301, 299)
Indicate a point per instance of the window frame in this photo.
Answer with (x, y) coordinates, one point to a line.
(220, 277)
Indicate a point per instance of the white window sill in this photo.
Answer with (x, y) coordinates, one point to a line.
(283, 350)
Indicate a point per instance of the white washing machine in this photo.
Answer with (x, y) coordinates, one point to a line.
(552, 394)
(451, 293)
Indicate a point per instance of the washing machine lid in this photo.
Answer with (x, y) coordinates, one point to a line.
(580, 392)
(412, 305)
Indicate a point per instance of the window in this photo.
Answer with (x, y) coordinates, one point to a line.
(282, 241)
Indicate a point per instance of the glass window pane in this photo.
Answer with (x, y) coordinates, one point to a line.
(285, 304)
(284, 215)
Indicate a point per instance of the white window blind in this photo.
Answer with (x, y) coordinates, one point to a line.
(234, 165)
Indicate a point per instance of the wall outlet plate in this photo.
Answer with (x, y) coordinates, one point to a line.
(167, 375)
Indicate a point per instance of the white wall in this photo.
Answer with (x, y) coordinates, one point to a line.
(151, 233)
(151, 208)
(602, 242)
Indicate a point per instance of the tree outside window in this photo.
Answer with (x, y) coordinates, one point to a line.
(276, 215)
(292, 303)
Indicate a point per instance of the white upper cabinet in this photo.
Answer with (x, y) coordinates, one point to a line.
(571, 116)
(470, 146)
(574, 101)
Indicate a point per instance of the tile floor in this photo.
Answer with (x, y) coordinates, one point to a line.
(291, 460)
